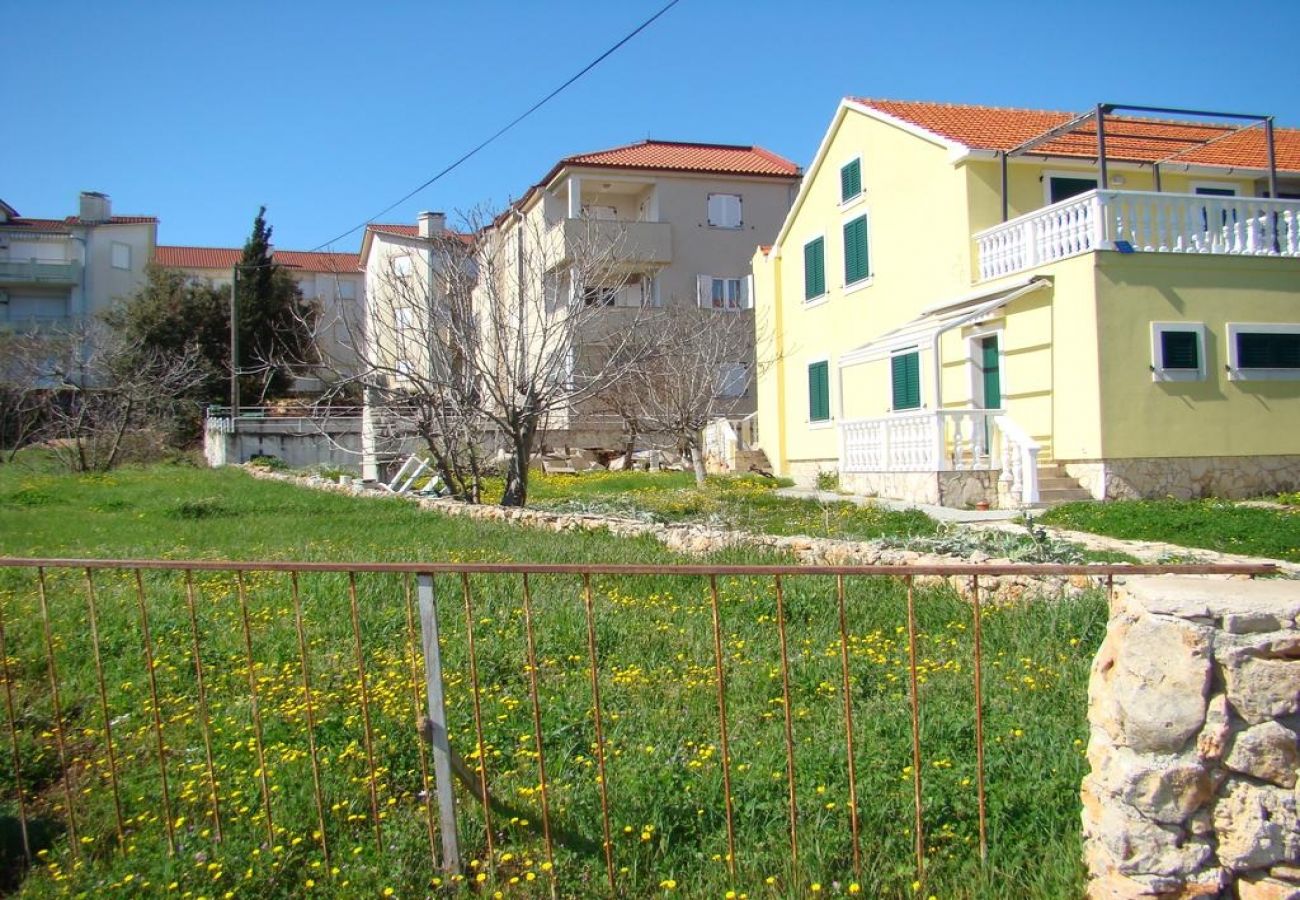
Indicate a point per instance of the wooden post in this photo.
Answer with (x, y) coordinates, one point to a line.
(442, 759)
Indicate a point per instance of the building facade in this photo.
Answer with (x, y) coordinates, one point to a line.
(980, 304)
(55, 273)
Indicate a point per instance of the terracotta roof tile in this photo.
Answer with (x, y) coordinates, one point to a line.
(1128, 138)
(67, 222)
(412, 231)
(175, 257)
(115, 220)
(720, 159)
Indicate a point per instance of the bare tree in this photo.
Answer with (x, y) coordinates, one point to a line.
(91, 390)
(491, 341)
(696, 368)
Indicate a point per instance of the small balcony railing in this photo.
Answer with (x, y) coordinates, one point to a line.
(34, 271)
(1141, 221)
(616, 243)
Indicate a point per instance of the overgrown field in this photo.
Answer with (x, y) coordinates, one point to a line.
(1219, 525)
(658, 692)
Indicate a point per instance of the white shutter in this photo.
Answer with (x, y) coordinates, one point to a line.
(732, 207)
(704, 291)
(747, 292)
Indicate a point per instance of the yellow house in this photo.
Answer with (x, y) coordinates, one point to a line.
(969, 304)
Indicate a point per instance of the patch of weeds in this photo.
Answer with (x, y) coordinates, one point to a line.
(273, 463)
(828, 481)
(1288, 498)
(31, 495)
(201, 508)
(1033, 545)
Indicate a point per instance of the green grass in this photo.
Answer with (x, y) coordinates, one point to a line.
(1218, 525)
(654, 640)
(745, 503)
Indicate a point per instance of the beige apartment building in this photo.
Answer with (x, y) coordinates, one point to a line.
(57, 272)
(672, 226)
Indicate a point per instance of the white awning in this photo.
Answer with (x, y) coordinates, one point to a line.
(935, 320)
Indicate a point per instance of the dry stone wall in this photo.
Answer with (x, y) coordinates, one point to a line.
(1194, 708)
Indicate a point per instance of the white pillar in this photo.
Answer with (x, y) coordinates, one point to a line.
(652, 205)
(575, 197)
(369, 442)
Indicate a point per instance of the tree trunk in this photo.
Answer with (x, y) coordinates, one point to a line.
(697, 463)
(516, 490)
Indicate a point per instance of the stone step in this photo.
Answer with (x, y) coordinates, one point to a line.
(1049, 482)
(1055, 496)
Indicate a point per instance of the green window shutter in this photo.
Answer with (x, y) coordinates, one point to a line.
(906, 371)
(1266, 350)
(1179, 350)
(819, 392)
(856, 265)
(814, 268)
(851, 180)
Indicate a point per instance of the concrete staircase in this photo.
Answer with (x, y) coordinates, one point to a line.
(1055, 487)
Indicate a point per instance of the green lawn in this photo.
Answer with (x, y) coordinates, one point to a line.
(1219, 525)
(654, 640)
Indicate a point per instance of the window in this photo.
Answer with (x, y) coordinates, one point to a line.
(722, 292)
(347, 290)
(857, 264)
(1263, 352)
(402, 265)
(851, 180)
(1063, 187)
(724, 210)
(819, 391)
(307, 287)
(905, 371)
(121, 256)
(1178, 351)
(599, 296)
(1211, 189)
(814, 268)
(733, 380)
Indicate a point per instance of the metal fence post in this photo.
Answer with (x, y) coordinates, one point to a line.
(442, 771)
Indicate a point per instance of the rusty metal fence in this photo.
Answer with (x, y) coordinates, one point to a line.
(130, 685)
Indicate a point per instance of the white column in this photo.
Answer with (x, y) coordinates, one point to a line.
(575, 197)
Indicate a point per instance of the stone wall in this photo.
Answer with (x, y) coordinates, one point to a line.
(955, 489)
(1194, 707)
(1186, 477)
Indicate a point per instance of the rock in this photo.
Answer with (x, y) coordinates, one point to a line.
(1266, 889)
(1149, 683)
(1263, 679)
(1256, 826)
(1119, 840)
(1159, 788)
(1269, 752)
(1184, 597)
(1212, 742)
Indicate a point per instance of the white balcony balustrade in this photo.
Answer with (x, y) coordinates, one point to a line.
(1146, 222)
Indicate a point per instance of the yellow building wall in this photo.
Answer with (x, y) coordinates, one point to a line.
(1214, 417)
(919, 247)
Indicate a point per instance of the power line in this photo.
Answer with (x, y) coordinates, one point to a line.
(511, 124)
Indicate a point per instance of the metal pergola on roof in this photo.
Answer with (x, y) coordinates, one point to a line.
(1099, 113)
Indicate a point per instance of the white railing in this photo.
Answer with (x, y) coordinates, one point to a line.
(924, 441)
(944, 441)
(1019, 460)
(1148, 222)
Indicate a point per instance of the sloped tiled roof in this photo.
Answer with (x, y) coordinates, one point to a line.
(719, 159)
(176, 257)
(56, 225)
(115, 220)
(411, 231)
(1128, 138)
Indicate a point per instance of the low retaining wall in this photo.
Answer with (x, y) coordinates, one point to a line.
(1185, 478)
(699, 540)
(1194, 708)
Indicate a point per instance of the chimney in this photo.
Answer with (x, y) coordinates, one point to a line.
(95, 207)
(432, 224)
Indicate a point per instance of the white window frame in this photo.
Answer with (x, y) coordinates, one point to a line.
(825, 295)
(862, 181)
(920, 379)
(705, 284)
(974, 362)
(829, 421)
(125, 254)
(1049, 174)
(1236, 372)
(403, 265)
(740, 211)
(851, 286)
(1158, 370)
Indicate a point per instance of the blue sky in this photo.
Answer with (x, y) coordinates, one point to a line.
(327, 112)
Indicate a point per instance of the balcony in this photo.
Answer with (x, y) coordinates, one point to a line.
(616, 244)
(1143, 222)
(35, 271)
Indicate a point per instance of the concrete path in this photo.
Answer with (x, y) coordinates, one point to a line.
(938, 513)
